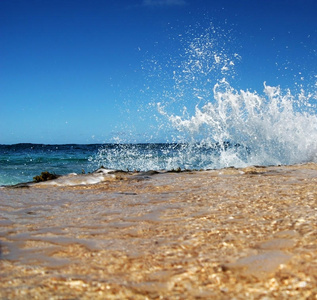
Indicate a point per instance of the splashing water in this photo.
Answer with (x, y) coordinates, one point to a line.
(217, 125)
(268, 129)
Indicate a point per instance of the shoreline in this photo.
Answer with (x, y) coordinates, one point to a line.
(102, 174)
(217, 234)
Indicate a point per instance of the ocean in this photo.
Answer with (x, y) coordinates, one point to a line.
(22, 162)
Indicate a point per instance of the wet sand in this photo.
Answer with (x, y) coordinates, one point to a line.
(233, 233)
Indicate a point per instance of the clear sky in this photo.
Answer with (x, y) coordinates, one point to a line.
(78, 71)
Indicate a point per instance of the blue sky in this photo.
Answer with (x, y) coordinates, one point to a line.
(77, 71)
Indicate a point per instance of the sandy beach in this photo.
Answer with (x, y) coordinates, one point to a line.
(220, 234)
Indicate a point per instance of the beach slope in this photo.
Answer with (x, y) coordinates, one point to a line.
(232, 233)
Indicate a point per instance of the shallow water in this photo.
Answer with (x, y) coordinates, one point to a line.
(222, 233)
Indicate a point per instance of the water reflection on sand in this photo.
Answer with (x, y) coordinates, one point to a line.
(222, 233)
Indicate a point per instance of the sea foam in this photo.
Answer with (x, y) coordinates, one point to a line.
(270, 129)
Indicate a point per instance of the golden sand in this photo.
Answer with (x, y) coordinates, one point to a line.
(224, 234)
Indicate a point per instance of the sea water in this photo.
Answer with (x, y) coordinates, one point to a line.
(213, 124)
(21, 162)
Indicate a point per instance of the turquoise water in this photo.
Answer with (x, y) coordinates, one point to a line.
(21, 162)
